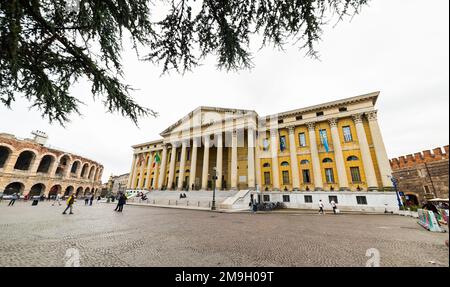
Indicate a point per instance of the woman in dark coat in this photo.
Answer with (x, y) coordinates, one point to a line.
(122, 202)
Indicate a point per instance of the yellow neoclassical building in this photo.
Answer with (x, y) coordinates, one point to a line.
(335, 146)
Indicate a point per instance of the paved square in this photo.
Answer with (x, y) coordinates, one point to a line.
(144, 236)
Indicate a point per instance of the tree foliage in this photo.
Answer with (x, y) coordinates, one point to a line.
(47, 45)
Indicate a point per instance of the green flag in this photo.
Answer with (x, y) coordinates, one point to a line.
(157, 158)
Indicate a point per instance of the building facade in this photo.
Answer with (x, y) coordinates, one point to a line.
(118, 184)
(28, 167)
(332, 147)
(423, 175)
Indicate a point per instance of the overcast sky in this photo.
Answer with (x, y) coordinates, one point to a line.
(400, 48)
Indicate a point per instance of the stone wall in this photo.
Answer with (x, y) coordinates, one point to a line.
(65, 173)
(424, 174)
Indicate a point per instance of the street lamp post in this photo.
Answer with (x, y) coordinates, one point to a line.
(214, 178)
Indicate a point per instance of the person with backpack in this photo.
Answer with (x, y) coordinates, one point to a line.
(70, 201)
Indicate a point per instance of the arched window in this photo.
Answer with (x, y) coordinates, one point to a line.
(284, 163)
(45, 164)
(266, 165)
(327, 160)
(25, 160)
(4, 155)
(352, 158)
(305, 161)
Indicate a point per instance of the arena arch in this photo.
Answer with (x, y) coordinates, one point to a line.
(75, 166)
(55, 190)
(37, 190)
(87, 191)
(63, 165)
(14, 187)
(79, 191)
(69, 190)
(84, 170)
(5, 154)
(91, 172)
(25, 160)
(46, 163)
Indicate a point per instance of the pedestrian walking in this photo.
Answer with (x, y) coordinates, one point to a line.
(118, 201)
(122, 202)
(91, 200)
(57, 200)
(321, 207)
(334, 206)
(13, 199)
(70, 201)
(86, 200)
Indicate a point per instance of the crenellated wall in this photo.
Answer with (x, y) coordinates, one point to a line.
(425, 156)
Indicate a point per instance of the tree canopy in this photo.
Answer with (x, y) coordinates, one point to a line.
(48, 45)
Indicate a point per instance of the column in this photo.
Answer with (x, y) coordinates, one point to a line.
(149, 170)
(365, 153)
(380, 151)
(219, 167)
(205, 163)
(251, 159)
(155, 176)
(173, 157)
(258, 165)
(182, 165)
(162, 172)
(193, 163)
(317, 171)
(275, 170)
(294, 160)
(338, 156)
(142, 172)
(234, 161)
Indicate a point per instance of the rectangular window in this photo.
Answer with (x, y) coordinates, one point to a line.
(329, 175)
(427, 189)
(266, 197)
(283, 144)
(302, 139)
(356, 176)
(286, 198)
(308, 199)
(188, 154)
(267, 178)
(347, 134)
(299, 118)
(343, 109)
(333, 198)
(306, 176)
(178, 156)
(361, 200)
(319, 114)
(286, 177)
(280, 121)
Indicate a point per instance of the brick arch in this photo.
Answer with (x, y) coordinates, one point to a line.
(85, 173)
(41, 157)
(4, 159)
(15, 186)
(91, 173)
(37, 189)
(79, 167)
(62, 169)
(32, 161)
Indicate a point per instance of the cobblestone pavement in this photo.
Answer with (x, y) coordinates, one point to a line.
(146, 236)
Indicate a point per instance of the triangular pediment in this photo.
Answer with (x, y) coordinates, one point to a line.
(204, 116)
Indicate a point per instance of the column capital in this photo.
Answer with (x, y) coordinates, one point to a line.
(358, 118)
(372, 116)
(311, 126)
(333, 122)
(273, 133)
(291, 129)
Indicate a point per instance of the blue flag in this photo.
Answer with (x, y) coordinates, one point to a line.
(323, 136)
